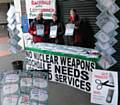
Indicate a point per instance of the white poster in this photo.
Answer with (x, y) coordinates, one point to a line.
(107, 61)
(40, 29)
(103, 37)
(76, 74)
(104, 89)
(53, 31)
(34, 7)
(69, 29)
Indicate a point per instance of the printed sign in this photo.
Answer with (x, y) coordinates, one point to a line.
(10, 89)
(69, 29)
(113, 9)
(73, 72)
(39, 95)
(109, 26)
(34, 7)
(105, 4)
(108, 51)
(10, 100)
(107, 61)
(113, 41)
(103, 46)
(40, 29)
(53, 31)
(28, 39)
(103, 37)
(104, 87)
(11, 11)
(24, 100)
(25, 24)
(105, 16)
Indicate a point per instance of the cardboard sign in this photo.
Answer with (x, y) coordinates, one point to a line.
(40, 29)
(104, 87)
(69, 29)
(53, 31)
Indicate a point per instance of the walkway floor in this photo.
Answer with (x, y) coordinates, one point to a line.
(4, 46)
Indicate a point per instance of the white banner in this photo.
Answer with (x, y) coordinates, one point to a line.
(34, 7)
(73, 72)
(104, 88)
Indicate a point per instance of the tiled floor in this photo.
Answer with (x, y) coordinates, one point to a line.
(4, 46)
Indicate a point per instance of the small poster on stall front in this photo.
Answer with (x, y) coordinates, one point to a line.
(69, 29)
(53, 31)
(104, 89)
(40, 29)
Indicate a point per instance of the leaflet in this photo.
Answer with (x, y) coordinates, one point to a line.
(11, 78)
(10, 89)
(39, 95)
(39, 82)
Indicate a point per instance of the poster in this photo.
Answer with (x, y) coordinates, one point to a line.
(107, 61)
(105, 4)
(53, 31)
(11, 11)
(110, 26)
(103, 37)
(104, 87)
(40, 29)
(34, 7)
(69, 29)
(25, 24)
